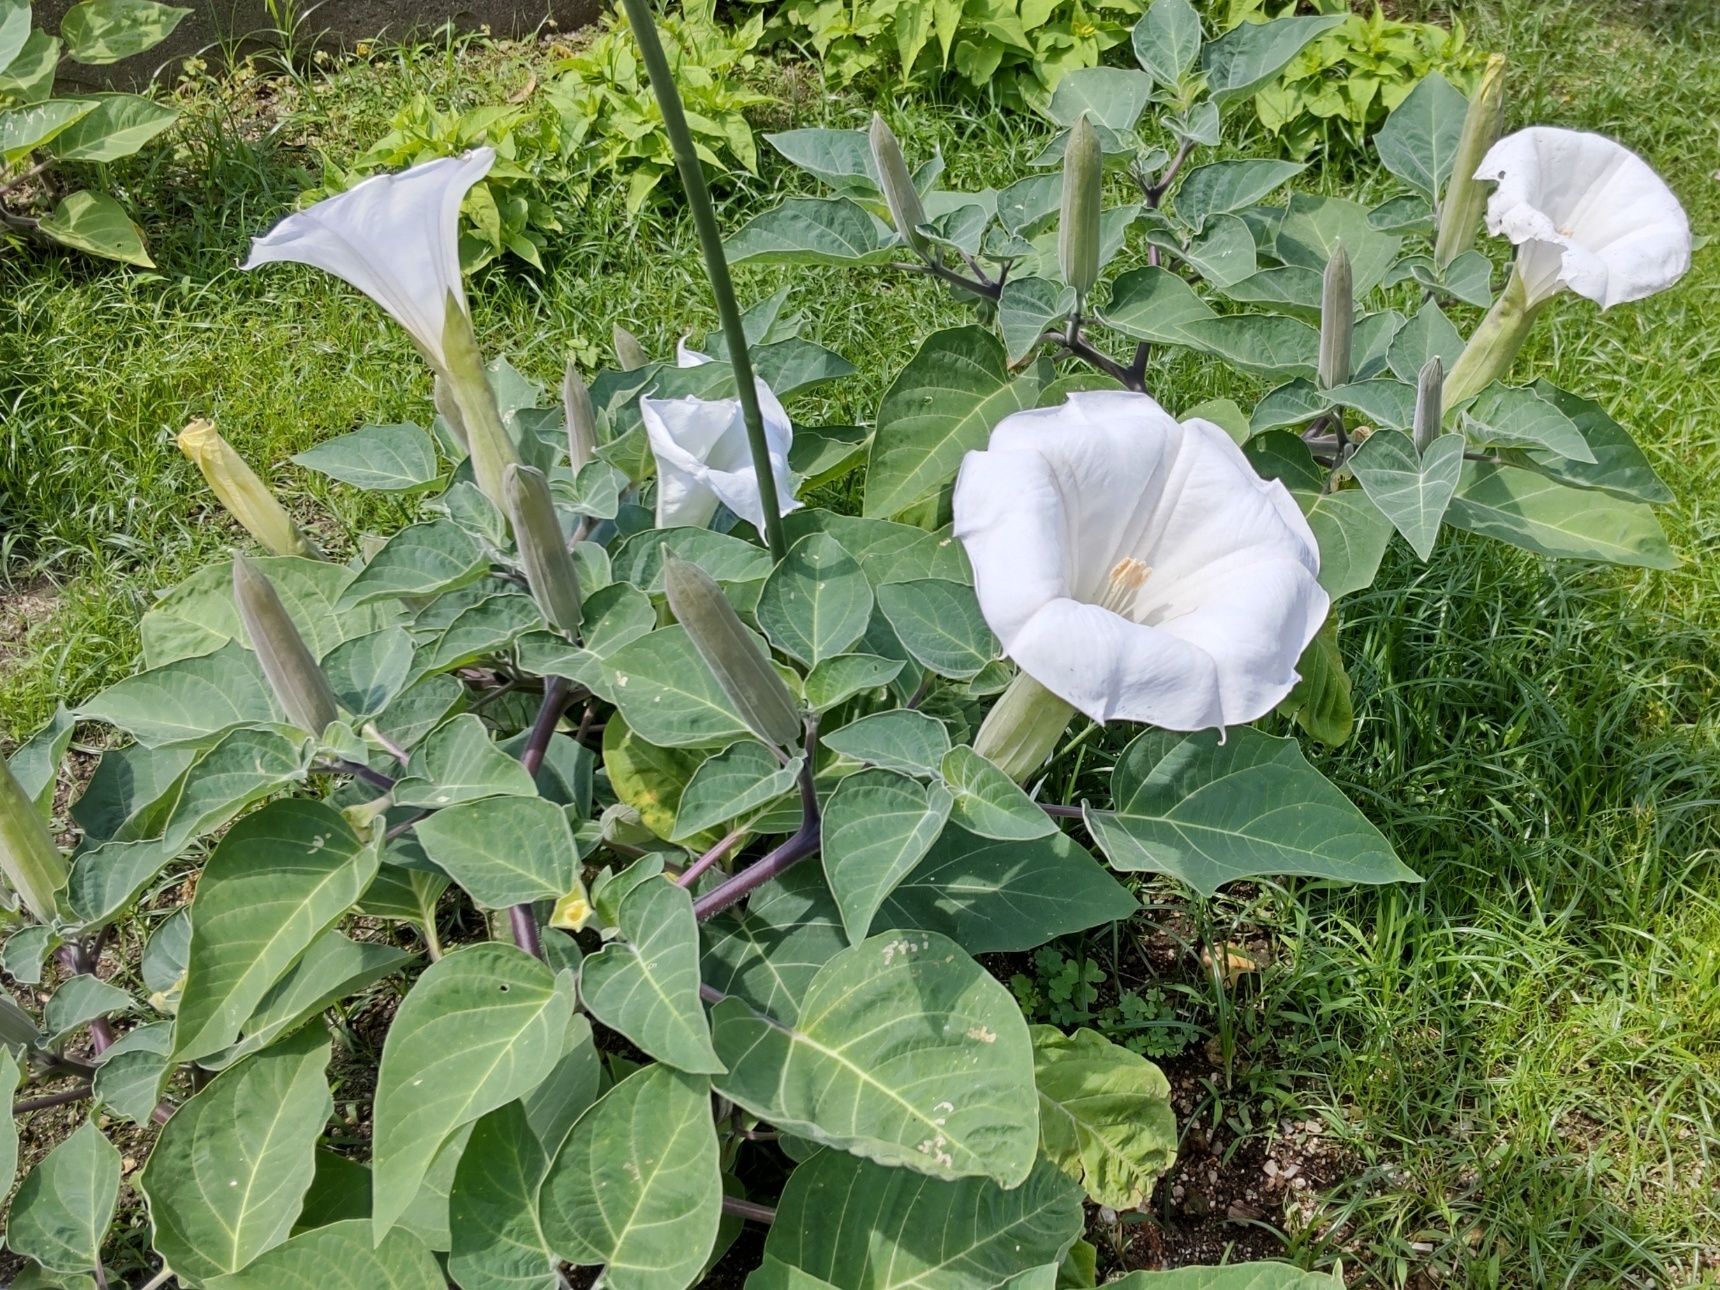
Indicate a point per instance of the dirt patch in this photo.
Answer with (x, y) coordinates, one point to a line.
(23, 607)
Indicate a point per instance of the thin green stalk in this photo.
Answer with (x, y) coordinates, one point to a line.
(716, 264)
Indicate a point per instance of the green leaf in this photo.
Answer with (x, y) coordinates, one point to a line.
(460, 762)
(1224, 252)
(1517, 416)
(735, 784)
(118, 127)
(1237, 1276)
(229, 1172)
(1289, 285)
(1320, 700)
(806, 230)
(503, 850)
(1429, 334)
(340, 1256)
(492, 1210)
(1314, 227)
(795, 366)
(1113, 97)
(728, 559)
(80, 1001)
(836, 680)
(1105, 1115)
(1225, 186)
(857, 1226)
(97, 224)
(420, 560)
(667, 694)
(1419, 141)
(35, 764)
(887, 551)
(381, 458)
(820, 454)
(23, 129)
(1208, 813)
(482, 1026)
(942, 405)
(650, 779)
(1248, 56)
(1411, 490)
(1539, 514)
(14, 29)
(1001, 897)
(906, 1052)
(64, 1205)
(878, 825)
(10, 1076)
(1352, 536)
(990, 803)
(1155, 304)
(105, 31)
(636, 1186)
(841, 158)
(1027, 308)
(1619, 468)
(26, 951)
(899, 739)
(29, 76)
(1383, 402)
(816, 603)
(134, 1070)
(1270, 344)
(278, 881)
(646, 984)
(940, 625)
(768, 952)
(187, 700)
(367, 673)
(1167, 40)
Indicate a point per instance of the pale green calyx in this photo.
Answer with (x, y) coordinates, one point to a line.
(743, 670)
(1465, 195)
(1429, 402)
(1083, 186)
(542, 546)
(487, 439)
(295, 678)
(1022, 728)
(628, 351)
(581, 419)
(900, 195)
(29, 860)
(442, 396)
(1337, 319)
(1494, 344)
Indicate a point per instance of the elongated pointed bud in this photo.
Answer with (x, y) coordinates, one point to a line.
(246, 497)
(442, 395)
(487, 440)
(731, 652)
(31, 863)
(900, 195)
(542, 546)
(628, 351)
(1337, 319)
(1429, 402)
(1465, 195)
(288, 664)
(1083, 189)
(581, 419)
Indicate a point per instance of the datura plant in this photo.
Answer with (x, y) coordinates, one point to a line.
(666, 816)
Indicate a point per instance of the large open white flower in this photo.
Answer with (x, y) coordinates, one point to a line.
(1585, 213)
(394, 237)
(1137, 567)
(703, 457)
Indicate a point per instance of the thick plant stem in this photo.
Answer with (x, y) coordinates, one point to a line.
(800, 844)
(1022, 728)
(1493, 346)
(48, 1100)
(716, 263)
(521, 917)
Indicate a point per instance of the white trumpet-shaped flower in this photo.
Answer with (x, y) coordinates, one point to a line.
(396, 238)
(704, 458)
(1137, 567)
(1584, 213)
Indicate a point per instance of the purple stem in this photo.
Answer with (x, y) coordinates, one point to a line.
(47, 1100)
(375, 778)
(78, 961)
(749, 1210)
(795, 848)
(695, 870)
(1061, 812)
(526, 930)
(555, 692)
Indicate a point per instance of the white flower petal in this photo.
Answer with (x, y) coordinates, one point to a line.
(1587, 213)
(688, 357)
(394, 237)
(703, 457)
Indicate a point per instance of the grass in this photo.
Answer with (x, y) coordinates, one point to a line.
(1520, 1058)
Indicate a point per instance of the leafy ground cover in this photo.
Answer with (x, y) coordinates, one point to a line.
(1505, 1076)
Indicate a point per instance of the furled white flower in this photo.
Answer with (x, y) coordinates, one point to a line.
(394, 237)
(1136, 567)
(703, 456)
(1585, 213)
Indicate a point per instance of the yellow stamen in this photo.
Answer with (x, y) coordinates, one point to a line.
(1128, 575)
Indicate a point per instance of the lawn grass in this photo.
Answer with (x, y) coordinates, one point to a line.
(1519, 1058)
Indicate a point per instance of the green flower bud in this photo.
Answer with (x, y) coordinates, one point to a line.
(288, 664)
(29, 860)
(731, 652)
(442, 396)
(1083, 189)
(542, 546)
(246, 497)
(900, 195)
(1337, 319)
(628, 351)
(581, 419)
(1465, 195)
(487, 439)
(1429, 402)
